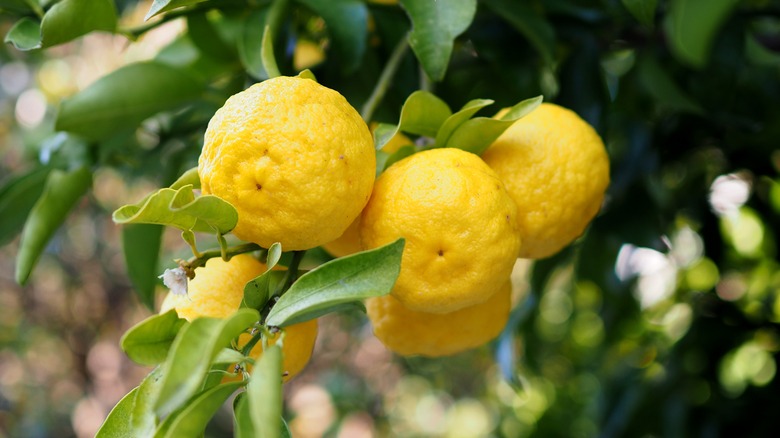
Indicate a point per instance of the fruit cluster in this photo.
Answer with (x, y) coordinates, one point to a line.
(298, 164)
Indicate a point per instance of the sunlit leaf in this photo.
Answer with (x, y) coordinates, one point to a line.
(62, 191)
(119, 420)
(435, 25)
(267, 54)
(191, 421)
(191, 354)
(692, 26)
(70, 19)
(188, 178)
(181, 209)
(124, 98)
(160, 6)
(242, 423)
(264, 394)
(25, 34)
(149, 341)
(422, 114)
(343, 280)
(144, 420)
(528, 21)
(17, 197)
(477, 134)
(347, 24)
(454, 121)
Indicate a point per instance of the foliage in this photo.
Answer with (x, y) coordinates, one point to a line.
(661, 320)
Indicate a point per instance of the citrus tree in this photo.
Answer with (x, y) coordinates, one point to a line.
(398, 159)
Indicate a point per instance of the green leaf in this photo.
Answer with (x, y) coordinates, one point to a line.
(258, 291)
(144, 420)
(188, 178)
(422, 114)
(160, 6)
(307, 74)
(70, 19)
(242, 423)
(17, 197)
(124, 98)
(264, 394)
(454, 121)
(663, 89)
(642, 10)
(267, 54)
(181, 209)
(119, 420)
(435, 25)
(400, 154)
(191, 421)
(477, 134)
(62, 191)
(25, 34)
(250, 43)
(15, 5)
(191, 354)
(347, 24)
(141, 248)
(692, 25)
(343, 280)
(148, 342)
(228, 356)
(206, 38)
(529, 22)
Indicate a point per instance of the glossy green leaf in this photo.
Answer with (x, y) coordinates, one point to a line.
(343, 280)
(529, 22)
(347, 24)
(264, 394)
(119, 420)
(188, 178)
(307, 74)
(267, 54)
(191, 421)
(663, 89)
(149, 341)
(228, 356)
(642, 10)
(191, 354)
(25, 34)
(692, 26)
(258, 291)
(476, 135)
(62, 191)
(160, 6)
(454, 121)
(144, 420)
(70, 19)
(141, 248)
(422, 114)
(124, 98)
(181, 209)
(435, 25)
(250, 43)
(17, 197)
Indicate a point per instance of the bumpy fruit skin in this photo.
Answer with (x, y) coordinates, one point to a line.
(556, 169)
(217, 291)
(459, 223)
(294, 158)
(410, 333)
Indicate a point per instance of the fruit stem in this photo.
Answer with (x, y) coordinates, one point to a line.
(385, 79)
(197, 262)
(292, 270)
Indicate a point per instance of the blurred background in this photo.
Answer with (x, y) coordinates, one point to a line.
(662, 321)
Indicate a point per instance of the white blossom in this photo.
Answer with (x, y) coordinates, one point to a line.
(175, 280)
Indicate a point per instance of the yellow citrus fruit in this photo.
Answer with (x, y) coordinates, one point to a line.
(293, 157)
(556, 169)
(217, 291)
(411, 333)
(349, 242)
(459, 223)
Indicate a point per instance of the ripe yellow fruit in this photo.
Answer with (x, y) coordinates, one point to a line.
(409, 333)
(217, 291)
(294, 158)
(556, 169)
(459, 223)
